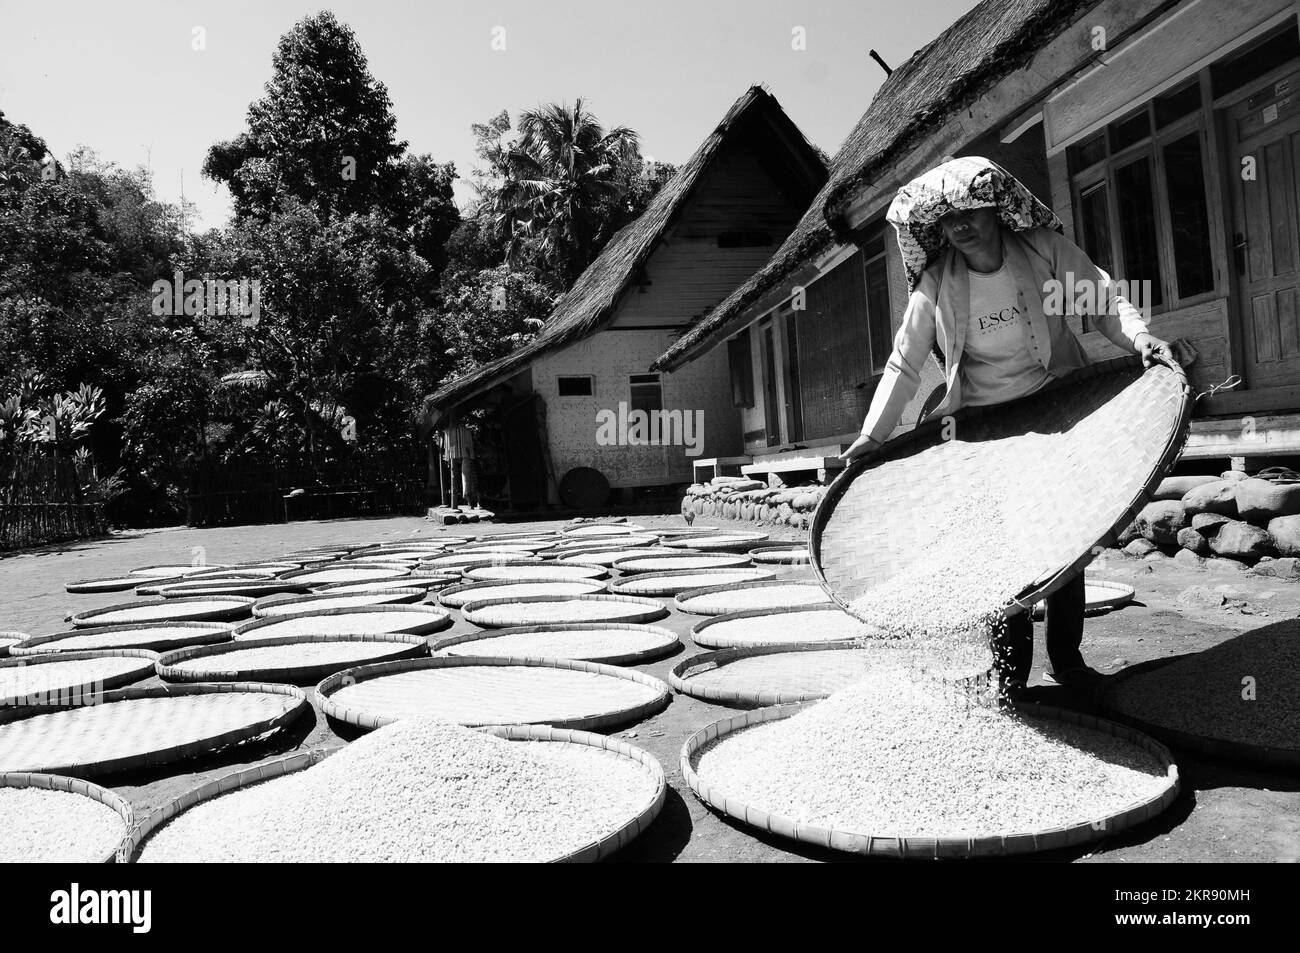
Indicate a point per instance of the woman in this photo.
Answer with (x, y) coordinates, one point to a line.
(982, 255)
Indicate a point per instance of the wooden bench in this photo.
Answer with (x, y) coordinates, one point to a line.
(710, 467)
(793, 466)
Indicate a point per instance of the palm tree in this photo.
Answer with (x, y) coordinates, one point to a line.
(563, 175)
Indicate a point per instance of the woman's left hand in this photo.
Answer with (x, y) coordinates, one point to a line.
(1155, 351)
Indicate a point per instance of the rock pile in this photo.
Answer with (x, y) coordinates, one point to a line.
(1232, 522)
(739, 498)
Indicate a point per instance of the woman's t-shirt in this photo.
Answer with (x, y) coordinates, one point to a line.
(996, 365)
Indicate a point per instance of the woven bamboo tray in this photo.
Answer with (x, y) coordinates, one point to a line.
(154, 587)
(418, 686)
(929, 847)
(520, 538)
(154, 637)
(58, 782)
(1100, 596)
(429, 583)
(173, 570)
(185, 609)
(100, 738)
(112, 670)
(459, 561)
(720, 541)
(601, 529)
(784, 674)
(582, 609)
(454, 597)
(597, 544)
(401, 619)
(644, 643)
(679, 562)
(764, 594)
(605, 556)
(103, 584)
(387, 647)
(139, 833)
(309, 605)
(790, 554)
(533, 570)
(335, 572)
(1126, 429)
(680, 532)
(671, 581)
(230, 587)
(733, 630)
(8, 640)
(395, 558)
(1260, 755)
(507, 548)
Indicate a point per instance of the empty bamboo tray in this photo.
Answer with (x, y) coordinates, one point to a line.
(492, 691)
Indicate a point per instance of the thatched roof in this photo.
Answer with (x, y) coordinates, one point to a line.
(947, 75)
(595, 296)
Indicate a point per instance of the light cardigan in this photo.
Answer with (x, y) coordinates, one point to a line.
(939, 311)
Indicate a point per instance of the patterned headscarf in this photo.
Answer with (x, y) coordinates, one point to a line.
(970, 182)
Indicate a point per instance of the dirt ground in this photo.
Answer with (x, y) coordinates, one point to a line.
(1225, 812)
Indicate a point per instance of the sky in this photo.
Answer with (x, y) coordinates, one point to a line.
(127, 80)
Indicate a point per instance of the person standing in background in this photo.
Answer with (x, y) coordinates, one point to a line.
(458, 451)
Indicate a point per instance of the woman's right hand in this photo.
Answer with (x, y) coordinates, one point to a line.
(862, 447)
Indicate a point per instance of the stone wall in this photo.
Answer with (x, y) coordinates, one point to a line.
(739, 498)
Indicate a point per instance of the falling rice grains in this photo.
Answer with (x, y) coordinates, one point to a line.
(419, 790)
(892, 756)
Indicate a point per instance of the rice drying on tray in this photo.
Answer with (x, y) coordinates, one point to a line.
(591, 642)
(457, 596)
(537, 570)
(421, 791)
(737, 597)
(501, 613)
(43, 679)
(893, 756)
(300, 605)
(52, 826)
(363, 620)
(669, 582)
(158, 637)
(188, 609)
(288, 658)
(670, 560)
(813, 623)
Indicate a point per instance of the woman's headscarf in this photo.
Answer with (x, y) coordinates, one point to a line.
(970, 182)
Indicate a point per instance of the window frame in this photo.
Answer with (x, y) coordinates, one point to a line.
(1152, 149)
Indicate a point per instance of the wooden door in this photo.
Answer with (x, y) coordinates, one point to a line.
(1264, 142)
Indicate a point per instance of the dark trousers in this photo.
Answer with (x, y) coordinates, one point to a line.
(1013, 648)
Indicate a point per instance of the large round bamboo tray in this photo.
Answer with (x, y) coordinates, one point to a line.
(308, 605)
(920, 846)
(506, 549)
(1217, 740)
(680, 532)
(234, 572)
(1120, 429)
(740, 541)
(230, 587)
(8, 640)
(601, 529)
(1100, 596)
(477, 690)
(567, 547)
(764, 594)
(789, 554)
(461, 560)
(541, 610)
(116, 734)
(455, 597)
(185, 609)
(104, 584)
(430, 583)
(207, 577)
(370, 572)
(173, 570)
(88, 674)
(770, 674)
(59, 782)
(671, 581)
(507, 538)
(152, 637)
(362, 620)
(641, 643)
(532, 570)
(399, 557)
(384, 647)
(822, 625)
(605, 556)
(139, 833)
(678, 562)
